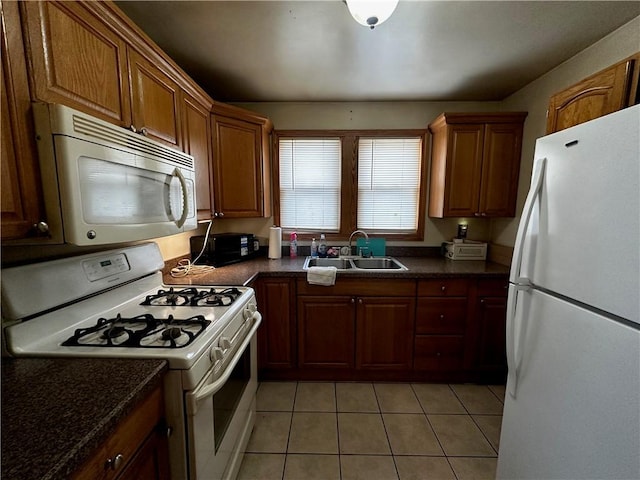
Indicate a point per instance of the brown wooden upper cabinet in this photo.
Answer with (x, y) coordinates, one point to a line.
(155, 101)
(241, 170)
(89, 56)
(475, 163)
(22, 204)
(196, 132)
(77, 60)
(604, 92)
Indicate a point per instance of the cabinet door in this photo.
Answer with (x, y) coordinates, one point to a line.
(384, 338)
(500, 169)
(155, 101)
(21, 191)
(276, 336)
(151, 462)
(326, 330)
(197, 133)
(464, 168)
(77, 60)
(600, 94)
(238, 172)
(491, 340)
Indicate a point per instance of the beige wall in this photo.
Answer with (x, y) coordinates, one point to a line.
(534, 99)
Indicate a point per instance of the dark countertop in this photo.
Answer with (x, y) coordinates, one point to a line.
(418, 267)
(56, 412)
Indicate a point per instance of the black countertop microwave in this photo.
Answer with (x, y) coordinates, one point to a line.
(224, 248)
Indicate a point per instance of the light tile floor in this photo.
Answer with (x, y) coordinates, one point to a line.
(374, 431)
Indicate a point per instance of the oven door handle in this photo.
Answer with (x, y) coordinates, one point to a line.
(195, 397)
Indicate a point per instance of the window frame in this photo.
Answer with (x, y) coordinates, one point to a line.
(349, 180)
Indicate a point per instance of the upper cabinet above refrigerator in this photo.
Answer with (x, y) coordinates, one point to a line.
(604, 92)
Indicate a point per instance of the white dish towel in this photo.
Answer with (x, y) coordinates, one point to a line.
(321, 275)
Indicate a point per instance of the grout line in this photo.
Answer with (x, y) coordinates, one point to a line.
(286, 451)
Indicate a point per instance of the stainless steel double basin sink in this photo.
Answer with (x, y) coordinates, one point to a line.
(377, 264)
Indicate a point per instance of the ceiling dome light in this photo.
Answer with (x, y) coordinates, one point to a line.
(371, 13)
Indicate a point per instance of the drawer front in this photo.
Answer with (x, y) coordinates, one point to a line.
(360, 287)
(446, 287)
(439, 352)
(441, 315)
(493, 287)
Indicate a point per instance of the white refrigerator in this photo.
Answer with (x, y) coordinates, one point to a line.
(572, 405)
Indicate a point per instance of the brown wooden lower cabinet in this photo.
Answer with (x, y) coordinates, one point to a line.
(384, 333)
(277, 334)
(138, 448)
(489, 331)
(326, 332)
(445, 330)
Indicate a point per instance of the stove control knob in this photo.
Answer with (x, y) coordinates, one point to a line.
(224, 343)
(249, 311)
(216, 354)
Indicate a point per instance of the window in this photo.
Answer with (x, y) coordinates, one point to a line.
(340, 181)
(389, 184)
(310, 183)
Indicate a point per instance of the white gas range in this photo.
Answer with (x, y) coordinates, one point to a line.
(113, 304)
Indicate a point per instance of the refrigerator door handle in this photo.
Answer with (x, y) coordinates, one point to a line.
(515, 337)
(534, 192)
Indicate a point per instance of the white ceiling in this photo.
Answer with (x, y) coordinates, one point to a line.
(247, 51)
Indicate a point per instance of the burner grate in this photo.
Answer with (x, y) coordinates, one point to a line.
(144, 331)
(192, 297)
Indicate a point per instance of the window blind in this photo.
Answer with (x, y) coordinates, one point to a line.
(389, 183)
(310, 175)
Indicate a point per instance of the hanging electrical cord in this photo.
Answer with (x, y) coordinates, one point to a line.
(186, 267)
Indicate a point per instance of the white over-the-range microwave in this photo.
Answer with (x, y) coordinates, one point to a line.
(104, 184)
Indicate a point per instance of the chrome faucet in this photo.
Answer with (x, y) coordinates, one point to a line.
(351, 239)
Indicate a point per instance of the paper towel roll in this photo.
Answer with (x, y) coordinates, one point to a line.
(275, 242)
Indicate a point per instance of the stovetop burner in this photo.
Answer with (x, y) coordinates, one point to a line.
(141, 331)
(192, 297)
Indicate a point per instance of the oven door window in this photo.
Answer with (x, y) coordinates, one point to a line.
(226, 400)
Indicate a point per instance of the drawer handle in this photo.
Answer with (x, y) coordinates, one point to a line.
(116, 462)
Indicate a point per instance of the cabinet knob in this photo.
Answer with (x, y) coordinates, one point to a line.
(443, 288)
(115, 462)
(133, 128)
(360, 301)
(353, 300)
(438, 354)
(215, 214)
(41, 227)
(482, 301)
(442, 317)
(483, 214)
(144, 131)
(477, 214)
(221, 214)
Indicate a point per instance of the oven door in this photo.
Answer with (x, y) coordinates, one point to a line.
(221, 414)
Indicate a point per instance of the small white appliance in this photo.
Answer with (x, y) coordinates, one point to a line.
(104, 184)
(465, 250)
(572, 406)
(113, 304)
